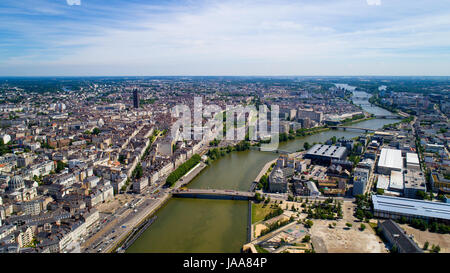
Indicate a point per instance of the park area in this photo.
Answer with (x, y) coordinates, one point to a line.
(261, 210)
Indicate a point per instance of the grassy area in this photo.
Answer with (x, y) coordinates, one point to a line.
(260, 249)
(260, 210)
(374, 226)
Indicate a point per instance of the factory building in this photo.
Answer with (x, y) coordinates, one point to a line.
(390, 160)
(412, 161)
(396, 207)
(414, 182)
(325, 153)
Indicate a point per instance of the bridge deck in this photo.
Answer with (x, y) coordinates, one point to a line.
(211, 193)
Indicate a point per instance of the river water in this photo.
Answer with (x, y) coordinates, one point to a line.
(198, 225)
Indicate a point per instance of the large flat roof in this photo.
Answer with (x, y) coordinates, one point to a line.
(412, 158)
(396, 180)
(383, 182)
(327, 151)
(412, 207)
(391, 158)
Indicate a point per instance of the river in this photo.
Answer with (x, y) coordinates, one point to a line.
(198, 225)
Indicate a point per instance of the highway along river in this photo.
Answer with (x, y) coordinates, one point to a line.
(199, 225)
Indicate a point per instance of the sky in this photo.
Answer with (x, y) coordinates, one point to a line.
(220, 37)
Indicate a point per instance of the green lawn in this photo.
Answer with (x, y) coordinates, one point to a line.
(259, 211)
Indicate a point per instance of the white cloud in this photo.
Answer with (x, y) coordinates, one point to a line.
(374, 2)
(73, 2)
(242, 38)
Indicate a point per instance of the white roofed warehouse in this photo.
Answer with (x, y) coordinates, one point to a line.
(390, 160)
(412, 161)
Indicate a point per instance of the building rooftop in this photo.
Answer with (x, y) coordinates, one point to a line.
(383, 182)
(403, 241)
(415, 179)
(327, 151)
(396, 182)
(390, 158)
(412, 158)
(411, 207)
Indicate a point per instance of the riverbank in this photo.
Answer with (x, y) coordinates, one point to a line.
(136, 222)
(154, 208)
(357, 120)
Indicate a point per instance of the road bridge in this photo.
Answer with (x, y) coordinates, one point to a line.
(388, 116)
(214, 194)
(353, 128)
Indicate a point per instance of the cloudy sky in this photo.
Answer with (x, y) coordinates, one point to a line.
(220, 37)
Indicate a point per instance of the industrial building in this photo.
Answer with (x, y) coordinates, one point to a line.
(396, 182)
(383, 182)
(412, 161)
(396, 207)
(398, 238)
(414, 182)
(390, 160)
(325, 153)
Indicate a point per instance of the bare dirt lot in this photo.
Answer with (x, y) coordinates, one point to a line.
(420, 237)
(344, 240)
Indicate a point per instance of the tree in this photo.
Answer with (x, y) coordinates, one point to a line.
(436, 249)
(96, 131)
(349, 225)
(421, 194)
(138, 171)
(182, 169)
(362, 227)
(122, 159)
(306, 239)
(60, 166)
(359, 214)
(309, 223)
(394, 249)
(258, 197)
(333, 140)
(306, 145)
(425, 246)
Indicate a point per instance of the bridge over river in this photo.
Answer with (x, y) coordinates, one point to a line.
(214, 194)
(353, 127)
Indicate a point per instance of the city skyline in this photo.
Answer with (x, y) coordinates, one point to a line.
(224, 38)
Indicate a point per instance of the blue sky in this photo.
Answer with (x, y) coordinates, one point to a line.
(208, 37)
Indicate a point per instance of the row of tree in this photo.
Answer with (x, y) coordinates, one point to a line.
(182, 169)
